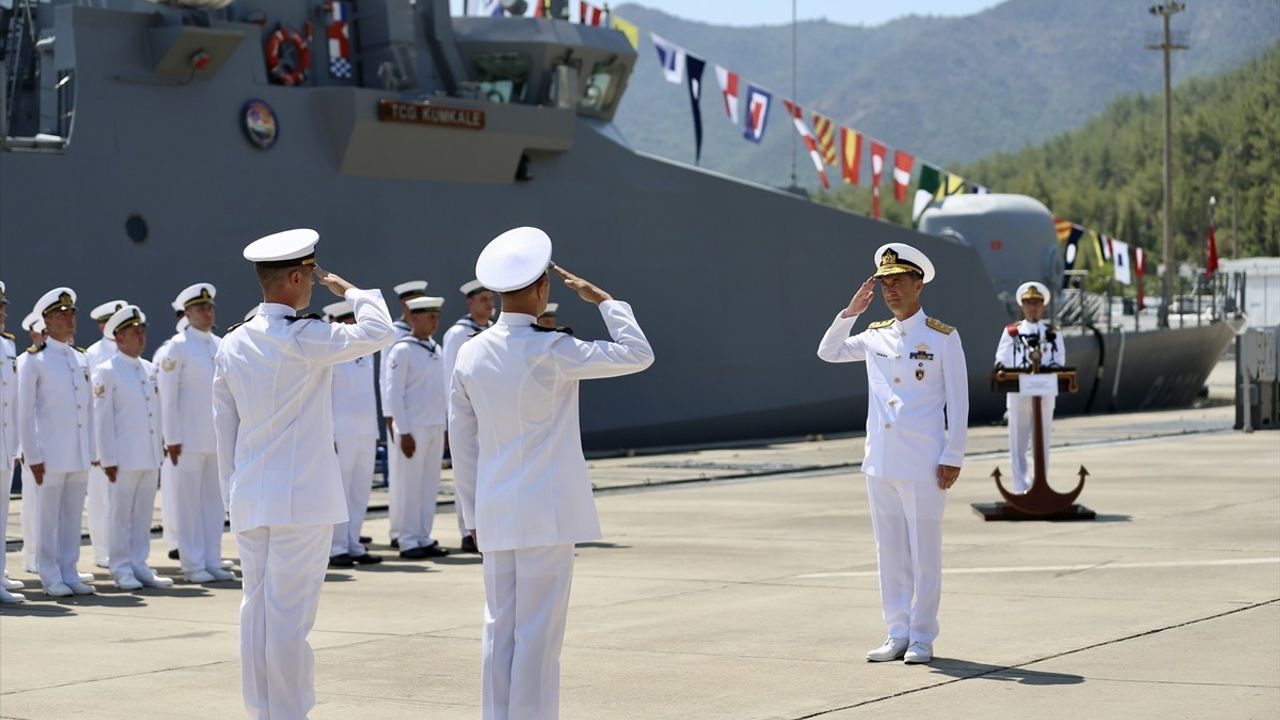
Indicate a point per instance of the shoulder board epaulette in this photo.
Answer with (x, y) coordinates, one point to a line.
(35, 349)
(296, 318)
(560, 329)
(1012, 329)
(6, 335)
(79, 349)
(880, 324)
(940, 326)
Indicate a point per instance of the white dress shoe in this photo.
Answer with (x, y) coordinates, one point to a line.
(8, 598)
(80, 588)
(224, 564)
(220, 574)
(58, 590)
(199, 576)
(892, 649)
(128, 582)
(85, 577)
(919, 652)
(10, 584)
(149, 578)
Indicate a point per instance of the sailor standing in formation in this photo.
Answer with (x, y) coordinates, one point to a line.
(186, 396)
(98, 502)
(1014, 352)
(355, 438)
(55, 417)
(405, 291)
(917, 423)
(480, 305)
(273, 409)
(8, 437)
(168, 503)
(126, 405)
(416, 404)
(517, 455)
(34, 325)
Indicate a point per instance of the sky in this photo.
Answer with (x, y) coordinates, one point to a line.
(774, 12)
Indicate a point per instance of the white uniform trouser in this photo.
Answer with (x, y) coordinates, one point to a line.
(30, 510)
(419, 477)
(132, 501)
(6, 484)
(60, 508)
(283, 568)
(395, 506)
(99, 515)
(168, 505)
(200, 513)
(355, 460)
(906, 516)
(526, 600)
(1021, 430)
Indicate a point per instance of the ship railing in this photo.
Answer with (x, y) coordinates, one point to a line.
(1198, 300)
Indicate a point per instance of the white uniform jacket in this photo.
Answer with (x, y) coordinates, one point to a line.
(126, 408)
(100, 352)
(186, 391)
(1014, 352)
(401, 329)
(513, 427)
(8, 404)
(273, 409)
(415, 389)
(55, 409)
(917, 393)
(458, 333)
(355, 405)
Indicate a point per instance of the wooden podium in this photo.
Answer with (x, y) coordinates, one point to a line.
(1041, 502)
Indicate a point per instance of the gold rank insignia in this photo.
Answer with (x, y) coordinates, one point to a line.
(940, 326)
(880, 324)
(168, 365)
(919, 373)
(99, 390)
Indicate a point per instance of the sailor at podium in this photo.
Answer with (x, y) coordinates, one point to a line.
(1013, 352)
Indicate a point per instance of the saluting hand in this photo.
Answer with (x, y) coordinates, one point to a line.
(862, 299)
(947, 476)
(585, 290)
(336, 284)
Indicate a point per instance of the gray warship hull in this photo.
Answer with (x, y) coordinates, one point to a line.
(733, 282)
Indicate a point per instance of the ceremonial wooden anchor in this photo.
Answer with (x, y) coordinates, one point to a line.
(1041, 502)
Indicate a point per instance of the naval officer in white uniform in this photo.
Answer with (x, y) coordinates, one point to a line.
(98, 502)
(917, 420)
(168, 504)
(416, 404)
(521, 478)
(8, 436)
(273, 409)
(186, 397)
(126, 406)
(355, 437)
(55, 420)
(1013, 352)
(34, 325)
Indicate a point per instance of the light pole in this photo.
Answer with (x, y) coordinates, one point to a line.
(1166, 11)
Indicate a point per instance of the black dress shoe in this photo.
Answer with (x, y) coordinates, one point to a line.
(469, 545)
(414, 554)
(366, 559)
(343, 560)
(365, 539)
(395, 543)
(174, 554)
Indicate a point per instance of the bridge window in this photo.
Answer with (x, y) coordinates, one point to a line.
(601, 91)
(502, 77)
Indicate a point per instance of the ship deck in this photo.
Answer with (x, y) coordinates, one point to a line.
(744, 586)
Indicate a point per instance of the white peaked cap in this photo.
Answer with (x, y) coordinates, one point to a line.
(61, 298)
(1032, 288)
(284, 249)
(471, 286)
(103, 312)
(413, 286)
(340, 309)
(29, 322)
(3, 299)
(125, 317)
(194, 295)
(898, 258)
(514, 259)
(425, 303)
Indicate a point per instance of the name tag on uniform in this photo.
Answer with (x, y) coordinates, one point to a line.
(1038, 384)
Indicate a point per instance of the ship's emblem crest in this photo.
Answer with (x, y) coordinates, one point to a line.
(260, 124)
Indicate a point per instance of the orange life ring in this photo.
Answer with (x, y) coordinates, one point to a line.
(293, 73)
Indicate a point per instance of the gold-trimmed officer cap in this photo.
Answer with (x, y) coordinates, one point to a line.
(551, 309)
(290, 248)
(425, 304)
(103, 312)
(514, 260)
(1033, 291)
(195, 295)
(3, 299)
(412, 287)
(125, 317)
(63, 298)
(898, 258)
(340, 310)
